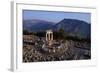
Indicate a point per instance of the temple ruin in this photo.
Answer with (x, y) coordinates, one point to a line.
(49, 37)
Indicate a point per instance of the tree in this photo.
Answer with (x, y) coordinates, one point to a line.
(61, 34)
(26, 32)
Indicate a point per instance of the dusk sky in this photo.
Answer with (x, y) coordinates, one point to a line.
(55, 16)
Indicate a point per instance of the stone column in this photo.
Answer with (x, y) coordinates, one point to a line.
(52, 36)
(49, 36)
(46, 36)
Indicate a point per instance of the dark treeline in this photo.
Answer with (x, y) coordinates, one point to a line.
(59, 35)
(39, 34)
(26, 32)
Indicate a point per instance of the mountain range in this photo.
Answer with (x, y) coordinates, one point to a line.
(72, 26)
